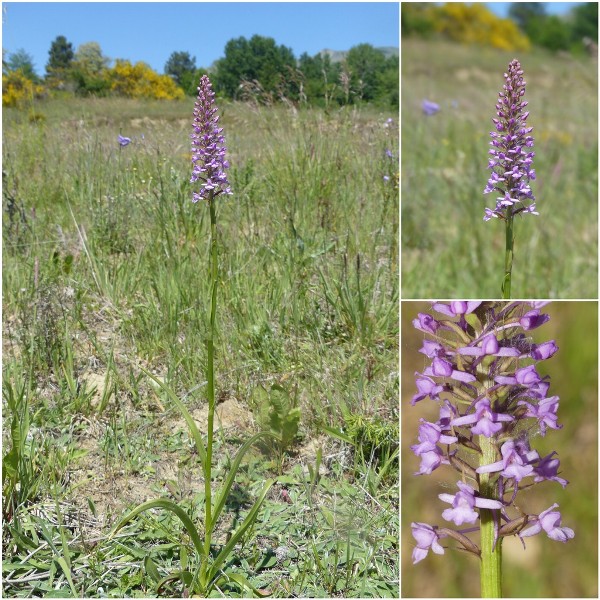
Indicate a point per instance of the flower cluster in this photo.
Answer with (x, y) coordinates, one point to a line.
(208, 150)
(482, 373)
(511, 154)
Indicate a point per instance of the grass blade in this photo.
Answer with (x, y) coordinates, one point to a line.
(248, 521)
(168, 505)
(186, 415)
(224, 491)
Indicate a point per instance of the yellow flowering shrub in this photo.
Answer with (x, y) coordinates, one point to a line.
(17, 89)
(475, 24)
(140, 81)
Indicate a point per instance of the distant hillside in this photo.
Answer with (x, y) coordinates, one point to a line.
(339, 55)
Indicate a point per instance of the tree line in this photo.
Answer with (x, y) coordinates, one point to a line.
(256, 68)
(529, 24)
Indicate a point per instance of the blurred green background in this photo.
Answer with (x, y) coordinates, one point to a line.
(546, 568)
(447, 249)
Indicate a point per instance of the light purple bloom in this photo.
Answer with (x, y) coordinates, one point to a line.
(443, 368)
(427, 387)
(486, 422)
(515, 463)
(426, 323)
(456, 308)
(533, 319)
(543, 351)
(124, 141)
(547, 470)
(511, 155)
(430, 108)
(544, 412)
(427, 539)
(464, 503)
(489, 347)
(208, 149)
(550, 521)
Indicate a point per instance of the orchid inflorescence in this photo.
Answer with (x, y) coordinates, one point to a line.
(511, 155)
(208, 149)
(491, 401)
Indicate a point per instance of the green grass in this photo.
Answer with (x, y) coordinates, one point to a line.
(105, 272)
(546, 569)
(448, 251)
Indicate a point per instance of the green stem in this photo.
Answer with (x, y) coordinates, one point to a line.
(210, 378)
(491, 558)
(508, 256)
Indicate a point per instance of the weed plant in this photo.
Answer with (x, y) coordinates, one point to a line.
(104, 262)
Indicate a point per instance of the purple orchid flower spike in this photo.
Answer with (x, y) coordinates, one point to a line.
(481, 370)
(510, 161)
(208, 146)
(511, 154)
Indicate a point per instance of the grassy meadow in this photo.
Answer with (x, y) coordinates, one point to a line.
(448, 251)
(545, 569)
(105, 273)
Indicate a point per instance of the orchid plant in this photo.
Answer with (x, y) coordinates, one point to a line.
(511, 158)
(209, 166)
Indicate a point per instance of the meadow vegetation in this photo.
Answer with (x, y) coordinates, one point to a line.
(105, 274)
(447, 249)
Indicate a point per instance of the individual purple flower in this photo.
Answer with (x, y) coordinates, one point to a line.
(544, 351)
(430, 434)
(456, 308)
(533, 319)
(529, 378)
(515, 463)
(442, 368)
(547, 470)
(544, 411)
(464, 503)
(124, 141)
(432, 349)
(427, 387)
(489, 347)
(484, 420)
(426, 323)
(430, 108)
(208, 149)
(427, 539)
(550, 521)
(511, 155)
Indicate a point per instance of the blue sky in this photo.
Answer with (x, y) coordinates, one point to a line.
(554, 8)
(151, 31)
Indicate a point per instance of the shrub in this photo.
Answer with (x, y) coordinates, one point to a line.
(475, 24)
(140, 81)
(17, 89)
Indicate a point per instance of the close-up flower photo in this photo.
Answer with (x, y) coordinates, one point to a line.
(499, 449)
